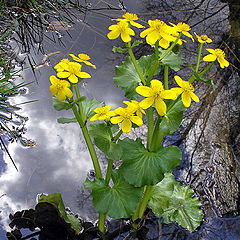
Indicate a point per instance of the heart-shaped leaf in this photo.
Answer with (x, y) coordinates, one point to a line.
(172, 120)
(127, 77)
(173, 60)
(175, 202)
(101, 134)
(120, 201)
(141, 167)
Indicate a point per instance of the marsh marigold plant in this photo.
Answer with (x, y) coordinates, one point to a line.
(144, 173)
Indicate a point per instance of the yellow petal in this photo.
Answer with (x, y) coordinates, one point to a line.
(126, 125)
(145, 32)
(61, 96)
(137, 120)
(65, 83)
(223, 62)
(63, 74)
(83, 75)
(54, 80)
(73, 79)
(113, 35)
(164, 43)
(94, 117)
(186, 99)
(147, 102)
(194, 97)
(125, 37)
(152, 37)
(177, 90)
(144, 91)
(210, 58)
(68, 92)
(179, 81)
(156, 85)
(53, 90)
(212, 51)
(137, 25)
(160, 106)
(168, 94)
(116, 120)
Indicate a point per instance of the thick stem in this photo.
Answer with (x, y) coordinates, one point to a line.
(117, 136)
(166, 77)
(101, 222)
(88, 142)
(150, 126)
(128, 45)
(157, 137)
(146, 197)
(109, 171)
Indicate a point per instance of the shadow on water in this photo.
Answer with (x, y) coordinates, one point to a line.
(209, 135)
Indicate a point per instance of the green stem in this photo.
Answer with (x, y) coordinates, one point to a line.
(101, 222)
(135, 216)
(128, 46)
(109, 171)
(157, 137)
(166, 77)
(117, 136)
(199, 57)
(155, 64)
(150, 126)
(88, 142)
(169, 49)
(146, 197)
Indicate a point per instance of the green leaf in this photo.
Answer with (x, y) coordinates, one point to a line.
(175, 202)
(60, 105)
(174, 61)
(118, 49)
(136, 43)
(102, 139)
(119, 201)
(63, 120)
(127, 78)
(89, 105)
(141, 167)
(56, 200)
(172, 120)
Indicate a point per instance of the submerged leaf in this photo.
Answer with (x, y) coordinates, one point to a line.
(175, 202)
(141, 167)
(56, 200)
(120, 201)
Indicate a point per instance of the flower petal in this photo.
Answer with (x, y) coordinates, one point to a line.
(223, 62)
(126, 125)
(169, 94)
(63, 74)
(194, 97)
(68, 92)
(144, 91)
(177, 90)
(147, 102)
(94, 117)
(209, 58)
(83, 75)
(179, 81)
(113, 34)
(73, 79)
(61, 96)
(116, 120)
(137, 120)
(53, 90)
(186, 99)
(160, 106)
(125, 37)
(54, 80)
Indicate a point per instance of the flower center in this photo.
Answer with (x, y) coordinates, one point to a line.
(204, 37)
(188, 87)
(219, 53)
(59, 86)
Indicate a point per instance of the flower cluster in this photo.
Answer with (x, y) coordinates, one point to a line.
(68, 73)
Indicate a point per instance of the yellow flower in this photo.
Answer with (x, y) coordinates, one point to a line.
(203, 38)
(82, 58)
(130, 17)
(186, 89)
(60, 87)
(121, 28)
(59, 67)
(102, 114)
(73, 71)
(158, 30)
(183, 28)
(126, 117)
(139, 110)
(216, 54)
(155, 94)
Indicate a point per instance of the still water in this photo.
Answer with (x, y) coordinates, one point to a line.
(60, 162)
